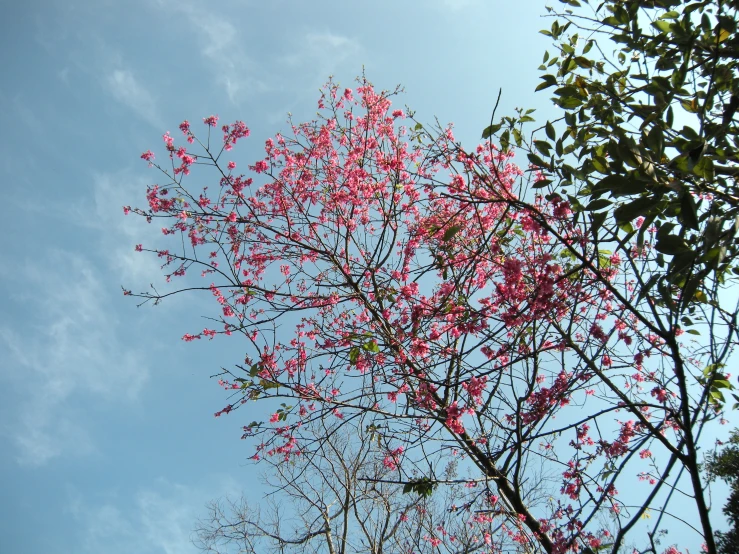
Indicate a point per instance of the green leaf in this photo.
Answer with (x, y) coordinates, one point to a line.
(450, 232)
(689, 293)
(266, 385)
(371, 346)
(600, 164)
(558, 146)
(537, 161)
(635, 208)
(597, 220)
(490, 130)
(655, 141)
(722, 384)
(354, 355)
(646, 288)
(662, 25)
(700, 296)
(689, 210)
(598, 204)
(549, 81)
(672, 245)
(704, 168)
(423, 487)
(568, 102)
(505, 140)
(549, 128)
(518, 137)
(679, 264)
(543, 146)
(565, 67)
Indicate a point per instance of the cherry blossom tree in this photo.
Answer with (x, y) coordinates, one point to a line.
(375, 271)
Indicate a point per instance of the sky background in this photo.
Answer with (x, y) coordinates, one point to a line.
(108, 442)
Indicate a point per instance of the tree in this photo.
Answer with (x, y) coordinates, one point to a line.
(648, 93)
(431, 298)
(341, 496)
(726, 466)
(651, 129)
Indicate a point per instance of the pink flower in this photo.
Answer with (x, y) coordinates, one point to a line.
(660, 394)
(231, 165)
(562, 210)
(168, 141)
(233, 133)
(392, 459)
(454, 418)
(419, 348)
(476, 387)
(211, 121)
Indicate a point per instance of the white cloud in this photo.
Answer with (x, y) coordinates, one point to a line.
(155, 520)
(119, 234)
(64, 352)
(127, 90)
(223, 48)
(323, 52)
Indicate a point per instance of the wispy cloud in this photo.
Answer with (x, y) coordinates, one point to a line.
(224, 50)
(127, 90)
(323, 52)
(118, 234)
(66, 354)
(158, 519)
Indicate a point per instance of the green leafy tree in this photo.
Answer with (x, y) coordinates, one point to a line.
(648, 92)
(646, 144)
(726, 466)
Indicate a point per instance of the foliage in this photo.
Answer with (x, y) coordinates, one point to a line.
(651, 129)
(647, 143)
(725, 465)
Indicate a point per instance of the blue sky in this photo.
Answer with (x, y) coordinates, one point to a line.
(107, 440)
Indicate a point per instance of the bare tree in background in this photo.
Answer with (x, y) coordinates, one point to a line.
(338, 499)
